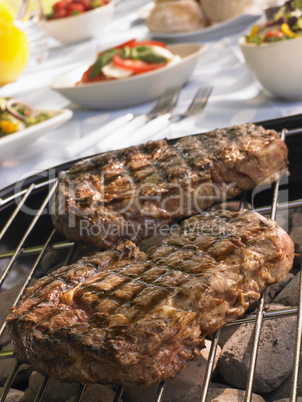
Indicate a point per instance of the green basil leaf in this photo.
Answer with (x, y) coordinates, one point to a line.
(150, 54)
(145, 53)
(134, 54)
(126, 52)
(103, 59)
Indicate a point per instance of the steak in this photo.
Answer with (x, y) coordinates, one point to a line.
(123, 316)
(132, 193)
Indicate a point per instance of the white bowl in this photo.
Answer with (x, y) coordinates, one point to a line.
(277, 66)
(134, 90)
(13, 143)
(79, 27)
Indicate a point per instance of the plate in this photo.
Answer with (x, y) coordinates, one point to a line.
(15, 142)
(132, 91)
(227, 27)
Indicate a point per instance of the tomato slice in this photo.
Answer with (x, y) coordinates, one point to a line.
(137, 66)
(86, 77)
(133, 43)
(122, 45)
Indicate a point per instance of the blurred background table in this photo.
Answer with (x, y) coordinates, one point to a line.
(237, 97)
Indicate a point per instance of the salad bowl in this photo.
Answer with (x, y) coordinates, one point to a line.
(276, 66)
(81, 26)
(134, 90)
(273, 53)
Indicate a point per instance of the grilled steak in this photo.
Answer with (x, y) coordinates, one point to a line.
(131, 193)
(128, 317)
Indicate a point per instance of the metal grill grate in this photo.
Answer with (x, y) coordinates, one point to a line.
(24, 249)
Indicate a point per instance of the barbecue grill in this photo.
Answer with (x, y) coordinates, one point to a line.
(27, 235)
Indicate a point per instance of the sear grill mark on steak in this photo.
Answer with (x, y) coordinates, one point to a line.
(130, 194)
(123, 316)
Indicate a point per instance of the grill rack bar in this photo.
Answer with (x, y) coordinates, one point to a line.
(72, 246)
(9, 382)
(210, 367)
(258, 324)
(294, 387)
(14, 214)
(29, 277)
(42, 389)
(213, 351)
(36, 249)
(160, 391)
(254, 354)
(81, 391)
(22, 192)
(27, 233)
(118, 393)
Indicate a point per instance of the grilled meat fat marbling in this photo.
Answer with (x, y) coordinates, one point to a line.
(122, 316)
(129, 194)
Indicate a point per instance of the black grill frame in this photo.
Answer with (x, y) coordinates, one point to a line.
(35, 186)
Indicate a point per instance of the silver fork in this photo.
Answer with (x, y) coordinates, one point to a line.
(166, 103)
(151, 129)
(109, 136)
(196, 106)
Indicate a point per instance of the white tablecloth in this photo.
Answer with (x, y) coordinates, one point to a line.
(237, 98)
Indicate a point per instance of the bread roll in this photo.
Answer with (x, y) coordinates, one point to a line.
(221, 10)
(176, 16)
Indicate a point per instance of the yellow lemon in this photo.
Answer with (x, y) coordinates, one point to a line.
(13, 48)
